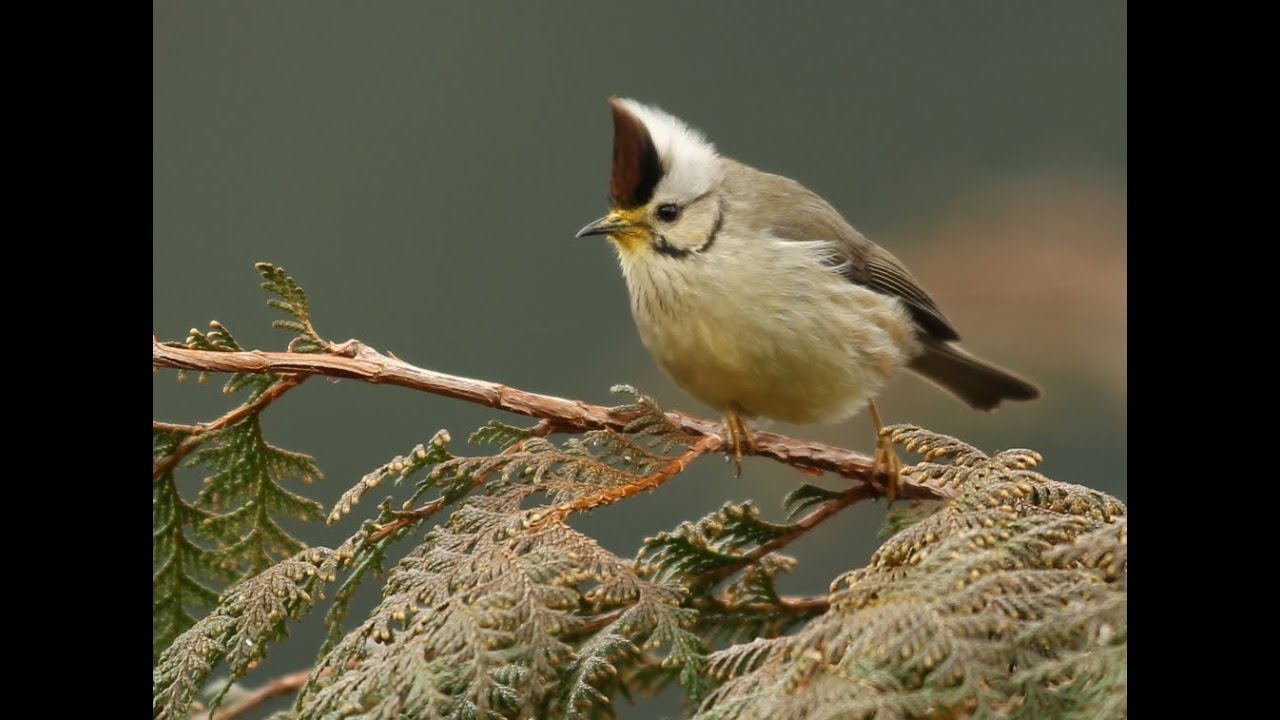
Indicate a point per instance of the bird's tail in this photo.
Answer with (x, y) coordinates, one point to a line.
(977, 382)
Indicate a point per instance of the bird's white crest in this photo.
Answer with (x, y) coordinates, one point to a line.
(689, 161)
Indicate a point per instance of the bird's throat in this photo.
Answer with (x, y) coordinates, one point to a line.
(630, 242)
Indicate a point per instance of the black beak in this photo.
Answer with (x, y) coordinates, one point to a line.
(604, 226)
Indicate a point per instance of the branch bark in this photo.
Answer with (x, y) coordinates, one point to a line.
(280, 686)
(359, 362)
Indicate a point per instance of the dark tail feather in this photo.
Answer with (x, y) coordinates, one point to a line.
(974, 381)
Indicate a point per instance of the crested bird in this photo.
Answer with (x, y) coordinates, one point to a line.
(759, 299)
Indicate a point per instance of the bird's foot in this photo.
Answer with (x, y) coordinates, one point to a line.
(887, 466)
(739, 437)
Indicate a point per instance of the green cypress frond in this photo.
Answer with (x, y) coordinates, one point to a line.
(247, 472)
(805, 497)
(715, 541)
(291, 299)
(220, 339)
(749, 605)
(179, 566)
(181, 569)
(249, 616)
(500, 434)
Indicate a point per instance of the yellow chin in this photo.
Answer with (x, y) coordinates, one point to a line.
(635, 237)
(630, 242)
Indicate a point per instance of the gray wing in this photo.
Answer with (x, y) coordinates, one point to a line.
(885, 273)
(799, 214)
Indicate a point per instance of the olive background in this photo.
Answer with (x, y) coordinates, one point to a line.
(421, 169)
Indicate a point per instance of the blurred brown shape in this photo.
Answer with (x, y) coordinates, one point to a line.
(1032, 272)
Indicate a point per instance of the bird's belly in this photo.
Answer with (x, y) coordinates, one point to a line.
(812, 353)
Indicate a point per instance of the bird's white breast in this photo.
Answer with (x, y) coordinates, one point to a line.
(762, 326)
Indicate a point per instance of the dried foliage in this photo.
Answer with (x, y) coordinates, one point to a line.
(1006, 600)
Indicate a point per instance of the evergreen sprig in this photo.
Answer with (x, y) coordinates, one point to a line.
(292, 300)
(244, 496)
(1008, 600)
(230, 530)
(249, 616)
(714, 542)
(220, 339)
(480, 621)
(182, 571)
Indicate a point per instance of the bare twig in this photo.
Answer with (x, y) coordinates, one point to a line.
(175, 427)
(558, 414)
(282, 685)
(409, 517)
(197, 432)
(795, 604)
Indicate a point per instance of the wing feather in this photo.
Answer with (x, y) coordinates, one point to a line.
(783, 208)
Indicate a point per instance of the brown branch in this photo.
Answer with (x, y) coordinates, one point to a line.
(560, 415)
(280, 686)
(796, 604)
(197, 432)
(805, 604)
(409, 517)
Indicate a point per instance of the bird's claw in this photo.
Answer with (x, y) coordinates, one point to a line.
(740, 438)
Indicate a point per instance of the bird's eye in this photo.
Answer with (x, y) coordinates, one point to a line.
(668, 212)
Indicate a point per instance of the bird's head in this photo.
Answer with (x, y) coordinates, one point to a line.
(664, 191)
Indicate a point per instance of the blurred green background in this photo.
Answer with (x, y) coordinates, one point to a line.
(421, 169)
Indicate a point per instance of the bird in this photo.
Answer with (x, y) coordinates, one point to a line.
(756, 297)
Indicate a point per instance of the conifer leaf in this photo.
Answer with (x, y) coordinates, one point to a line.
(220, 339)
(292, 300)
(1006, 600)
(244, 496)
(649, 421)
(480, 620)
(249, 616)
(805, 497)
(1017, 571)
(500, 434)
(180, 568)
(715, 541)
(435, 451)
